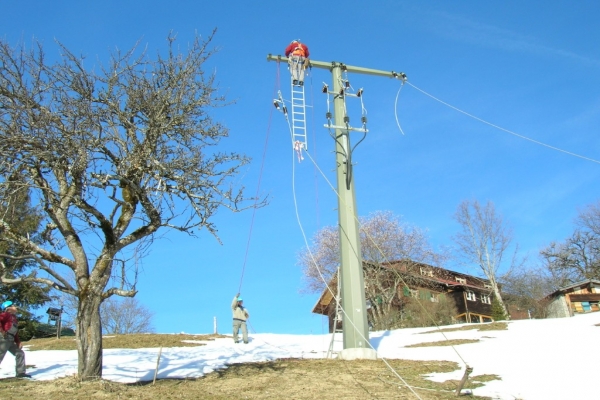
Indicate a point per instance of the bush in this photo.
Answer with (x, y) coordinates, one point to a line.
(421, 313)
(32, 329)
(46, 330)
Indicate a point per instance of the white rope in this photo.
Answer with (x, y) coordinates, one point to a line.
(317, 266)
(385, 260)
(347, 319)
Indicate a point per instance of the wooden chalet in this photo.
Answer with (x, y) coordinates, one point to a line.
(472, 296)
(580, 297)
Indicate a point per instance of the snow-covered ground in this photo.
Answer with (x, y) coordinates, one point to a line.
(536, 359)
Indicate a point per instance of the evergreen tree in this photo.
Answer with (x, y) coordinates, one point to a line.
(498, 313)
(16, 210)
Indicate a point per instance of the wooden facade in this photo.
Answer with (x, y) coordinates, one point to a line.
(471, 296)
(578, 298)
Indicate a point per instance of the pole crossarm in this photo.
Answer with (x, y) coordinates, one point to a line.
(344, 67)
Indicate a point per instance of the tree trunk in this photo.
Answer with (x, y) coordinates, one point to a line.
(89, 335)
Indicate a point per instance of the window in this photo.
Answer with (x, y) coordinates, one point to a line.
(461, 280)
(486, 299)
(434, 298)
(487, 286)
(471, 296)
(586, 306)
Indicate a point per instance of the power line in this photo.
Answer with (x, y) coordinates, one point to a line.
(503, 129)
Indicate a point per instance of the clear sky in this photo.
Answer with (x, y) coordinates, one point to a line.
(528, 67)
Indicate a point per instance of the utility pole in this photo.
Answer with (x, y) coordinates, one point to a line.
(354, 319)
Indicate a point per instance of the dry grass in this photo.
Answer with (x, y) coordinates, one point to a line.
(454, 342)
(288, 378)
(137, 341)
(492, 326)
(284, 378)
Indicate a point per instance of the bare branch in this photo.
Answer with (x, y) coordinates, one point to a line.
(483, 240)
(113, 154)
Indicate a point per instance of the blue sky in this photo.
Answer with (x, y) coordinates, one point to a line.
(529, 67)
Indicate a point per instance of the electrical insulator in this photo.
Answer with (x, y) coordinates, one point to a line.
(346, 119)
(328, 115)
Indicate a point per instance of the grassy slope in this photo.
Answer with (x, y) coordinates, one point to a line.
(285, 378)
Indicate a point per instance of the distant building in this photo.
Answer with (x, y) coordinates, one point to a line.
(580, 297)
(472, 296)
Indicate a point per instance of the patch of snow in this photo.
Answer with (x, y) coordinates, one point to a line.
(527, 357)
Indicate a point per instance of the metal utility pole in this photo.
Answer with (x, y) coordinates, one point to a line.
(354, 319)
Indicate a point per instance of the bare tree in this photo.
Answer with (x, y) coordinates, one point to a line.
(319, 263)
(589, 218)
(384, 240)
(113, 155)
(527, 289)
(117, 316)
(577, 257)
(483, 240)
(125, 316)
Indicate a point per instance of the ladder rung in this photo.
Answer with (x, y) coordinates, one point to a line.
(298, 115)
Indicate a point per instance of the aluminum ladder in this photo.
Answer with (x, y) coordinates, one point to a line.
(335, 330)
(298, 118)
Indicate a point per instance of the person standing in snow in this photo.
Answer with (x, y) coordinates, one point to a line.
(297, 54)
(240, 315)
(9, 337)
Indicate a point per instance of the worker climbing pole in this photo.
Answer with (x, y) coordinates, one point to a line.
(354, 319)
(298, 62)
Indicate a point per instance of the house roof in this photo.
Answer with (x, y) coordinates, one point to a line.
(575, 285)
(580, 283)
(327, 296)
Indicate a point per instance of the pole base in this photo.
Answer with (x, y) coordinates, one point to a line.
(357, 353)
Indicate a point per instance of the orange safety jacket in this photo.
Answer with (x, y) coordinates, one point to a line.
(299, 51)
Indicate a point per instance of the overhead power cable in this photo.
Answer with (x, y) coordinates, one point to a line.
(503, 129)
